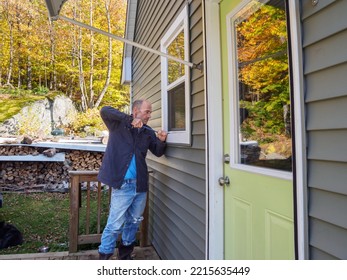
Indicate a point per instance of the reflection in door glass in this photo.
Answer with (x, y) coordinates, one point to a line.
(260, 32)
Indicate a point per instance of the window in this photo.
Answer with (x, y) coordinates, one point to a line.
(175, 81)
(262, 88)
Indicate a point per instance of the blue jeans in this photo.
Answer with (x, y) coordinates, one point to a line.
(125, 216)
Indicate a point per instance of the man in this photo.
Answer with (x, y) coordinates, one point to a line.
(124, 169)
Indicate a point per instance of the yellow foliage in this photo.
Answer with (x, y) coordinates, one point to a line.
(88, 123)
(30, 124)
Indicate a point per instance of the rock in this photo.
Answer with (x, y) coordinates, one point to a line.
(50, 152)
(8, 140)
(26, 140)
(274, 156)
(64, 112)
(104, 140)
(40, 118)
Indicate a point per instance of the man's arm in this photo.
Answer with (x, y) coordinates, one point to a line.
(112, 116)
(158, 145)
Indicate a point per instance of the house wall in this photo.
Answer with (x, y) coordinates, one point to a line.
(324, 29)
(177, 185)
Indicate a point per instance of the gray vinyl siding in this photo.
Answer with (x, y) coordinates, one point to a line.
(325, 60)
(177, 185)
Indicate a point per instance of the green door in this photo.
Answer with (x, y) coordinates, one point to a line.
(257, 131)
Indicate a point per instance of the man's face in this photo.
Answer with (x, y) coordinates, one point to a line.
(144, 113)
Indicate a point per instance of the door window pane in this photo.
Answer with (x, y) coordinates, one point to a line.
(260, 32)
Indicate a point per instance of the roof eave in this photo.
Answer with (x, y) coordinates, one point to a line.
(129, 34)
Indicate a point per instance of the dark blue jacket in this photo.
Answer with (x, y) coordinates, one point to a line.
(123, 142)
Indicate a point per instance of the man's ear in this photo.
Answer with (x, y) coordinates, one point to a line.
(135, 111)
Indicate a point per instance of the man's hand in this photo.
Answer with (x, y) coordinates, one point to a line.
(137, 123)
(161, 134)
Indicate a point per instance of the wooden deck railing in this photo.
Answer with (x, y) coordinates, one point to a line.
(75, 237)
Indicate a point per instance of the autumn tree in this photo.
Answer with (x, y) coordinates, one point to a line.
(36, 53)
(263, 69)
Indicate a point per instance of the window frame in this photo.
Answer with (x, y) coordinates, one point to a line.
(180, 23)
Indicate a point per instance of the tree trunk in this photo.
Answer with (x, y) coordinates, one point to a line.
(19, 45)
(53, 79)
(46, 80)
(10, 66)
(29, 64)
(109, 67)
(91, 98)
(19, 83)
(82, 84)
(29, 74)
(286, 118)
(74, 51)
(8, 17)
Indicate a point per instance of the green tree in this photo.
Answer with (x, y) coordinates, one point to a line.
(36, 53)
(263, 68)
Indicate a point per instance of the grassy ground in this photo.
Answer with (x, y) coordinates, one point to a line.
(43, 219)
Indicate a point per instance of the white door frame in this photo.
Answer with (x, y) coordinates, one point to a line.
(300, 131)
(214, 131)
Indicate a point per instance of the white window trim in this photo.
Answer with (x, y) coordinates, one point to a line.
(181, 23)
(234, 118)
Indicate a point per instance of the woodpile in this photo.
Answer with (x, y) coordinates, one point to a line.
(18, 150)
(84, 160)
(43, 175)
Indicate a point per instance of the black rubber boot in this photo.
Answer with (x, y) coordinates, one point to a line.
(124, 252)
(104, 256)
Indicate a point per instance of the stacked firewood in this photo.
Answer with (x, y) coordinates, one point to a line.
(18, 150)
(84, 160)
(31, 175)
(40, 175)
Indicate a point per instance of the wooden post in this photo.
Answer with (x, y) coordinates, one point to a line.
(74, 213)
(75, 239)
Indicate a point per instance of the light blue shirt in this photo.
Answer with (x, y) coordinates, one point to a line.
(131, 172)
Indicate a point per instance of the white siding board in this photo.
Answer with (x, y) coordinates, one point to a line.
(327, 206)
(328, 114)
(328, 145)
(188, 167)
(198, 113)
(182, 184)
(321, 25)
(309, 9)
(328, 238)
(198, 128)
(320, 255)
(324, 172)
(186, 154)
(330, 51)
(327, 83)
(198, 99)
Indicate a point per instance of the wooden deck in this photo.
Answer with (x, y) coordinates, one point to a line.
(140, 253)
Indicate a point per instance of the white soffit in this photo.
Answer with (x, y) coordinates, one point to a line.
(129, 34)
